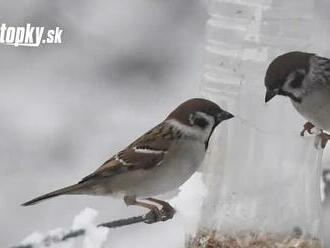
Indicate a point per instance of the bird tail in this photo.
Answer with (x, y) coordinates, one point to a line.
(72, 189)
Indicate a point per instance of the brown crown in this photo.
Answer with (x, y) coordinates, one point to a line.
(283, 65)
(183, 111)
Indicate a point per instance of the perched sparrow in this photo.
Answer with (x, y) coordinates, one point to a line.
(156, 163)
(305, 78)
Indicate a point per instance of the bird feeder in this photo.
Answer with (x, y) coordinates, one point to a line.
(262, 178)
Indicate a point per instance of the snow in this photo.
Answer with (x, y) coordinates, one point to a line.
(94, 237)
(189, 202)
(33, 238)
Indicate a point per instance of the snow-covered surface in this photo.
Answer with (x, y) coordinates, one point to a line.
(93, 238)
(188, 205)
(189, 202)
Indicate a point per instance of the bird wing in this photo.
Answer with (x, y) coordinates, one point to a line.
(319, 71)
(145, 153)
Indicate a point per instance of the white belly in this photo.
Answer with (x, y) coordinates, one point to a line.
(178, 166)
(315, 107)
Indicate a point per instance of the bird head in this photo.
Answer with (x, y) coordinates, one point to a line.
(285, 75)
(199, 116)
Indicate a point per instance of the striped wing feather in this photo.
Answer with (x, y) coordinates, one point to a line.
(320, 71)
(146, 152)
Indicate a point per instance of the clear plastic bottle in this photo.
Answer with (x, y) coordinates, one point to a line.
(326, 206)
(322, 40)
(262, 177)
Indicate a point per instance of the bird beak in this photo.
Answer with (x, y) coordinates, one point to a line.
(224, 115)
(270, 94)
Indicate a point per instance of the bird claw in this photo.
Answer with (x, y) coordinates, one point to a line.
(168, 213)
(167, 210)
(308, 126)
(156, 215)
(321, 140)
(152, 217)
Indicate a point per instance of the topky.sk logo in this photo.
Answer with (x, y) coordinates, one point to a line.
(29, 36)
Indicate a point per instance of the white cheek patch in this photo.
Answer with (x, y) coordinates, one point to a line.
(191, 119)
(184, 129)
(297, 92)
(193, 131)
(289, 79)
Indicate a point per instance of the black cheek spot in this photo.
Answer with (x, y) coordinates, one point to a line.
(297, 82)
(201, 122)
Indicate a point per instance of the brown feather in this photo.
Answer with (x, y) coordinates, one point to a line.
(129, 159)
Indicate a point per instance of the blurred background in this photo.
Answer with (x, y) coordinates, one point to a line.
(66, 108)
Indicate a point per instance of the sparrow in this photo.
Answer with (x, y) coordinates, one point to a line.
(156, 163)
(305, 79)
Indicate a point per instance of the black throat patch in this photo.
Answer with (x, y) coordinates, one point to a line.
(289, 94)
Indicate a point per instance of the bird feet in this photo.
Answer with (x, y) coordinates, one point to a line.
(155, 214)
(322, 139)
(307, 128)
(167, 211)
